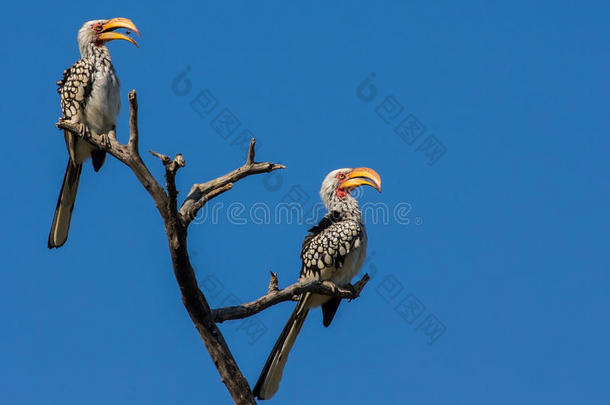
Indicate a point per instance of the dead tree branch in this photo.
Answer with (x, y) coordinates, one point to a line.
(176, 230)
(202, 193)
(176, 221)
(275, 296)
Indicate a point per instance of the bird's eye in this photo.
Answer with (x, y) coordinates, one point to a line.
(341, 176)
(97, 27)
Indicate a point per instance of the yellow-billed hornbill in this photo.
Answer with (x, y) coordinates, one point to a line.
(333, 250)
(90, 96)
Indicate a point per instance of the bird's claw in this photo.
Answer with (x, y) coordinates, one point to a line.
(329, 284)
(105, 140)
(353, 290)
(82, 130)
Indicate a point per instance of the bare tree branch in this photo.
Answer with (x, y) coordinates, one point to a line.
(171, 168)
(273, 283)
(133, 143)
(251, 152)
(201, 193)
(275, 296)
(176, 231)
(203, 200)
(125, 153)
(163, 158)
(176, 222)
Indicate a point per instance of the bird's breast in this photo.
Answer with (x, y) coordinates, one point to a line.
(104, 104)
(343, 275)
(352, 264)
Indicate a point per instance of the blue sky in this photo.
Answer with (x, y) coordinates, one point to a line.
(504, 257)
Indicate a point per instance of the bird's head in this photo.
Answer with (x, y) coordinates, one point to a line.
(98, 32)
(338, 184)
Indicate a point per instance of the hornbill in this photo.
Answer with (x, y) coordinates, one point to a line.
(90, 96)
(332, 251)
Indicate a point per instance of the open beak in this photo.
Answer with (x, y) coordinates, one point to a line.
(362, 176)
(108, 34)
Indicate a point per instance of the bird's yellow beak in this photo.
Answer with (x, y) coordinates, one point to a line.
(362, 176)
(108, 34)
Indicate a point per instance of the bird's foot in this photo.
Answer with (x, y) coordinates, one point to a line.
(82, 130)
(332, 286)
(105, 141)
(349, 287)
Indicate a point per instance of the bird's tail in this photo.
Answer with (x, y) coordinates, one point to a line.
(270, 377)
(65, 205)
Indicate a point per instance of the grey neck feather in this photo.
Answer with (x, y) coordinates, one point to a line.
(99, 55)
(346, 206)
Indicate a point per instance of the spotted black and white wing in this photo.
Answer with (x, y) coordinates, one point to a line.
(75, 88)
(328, 244)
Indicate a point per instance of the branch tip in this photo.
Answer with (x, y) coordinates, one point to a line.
(164, 159)
(179, 159)
(132, 96)
(133, 143)
(251, 152)
(273, 283)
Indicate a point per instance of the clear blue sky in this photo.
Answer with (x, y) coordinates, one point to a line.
(507, 241)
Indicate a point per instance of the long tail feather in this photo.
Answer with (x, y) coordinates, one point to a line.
(65, 205)
(269, 380)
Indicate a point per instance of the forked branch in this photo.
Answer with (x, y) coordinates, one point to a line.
(200, 194)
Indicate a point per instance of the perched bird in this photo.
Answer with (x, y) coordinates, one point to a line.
(333, 250)
(90, 96)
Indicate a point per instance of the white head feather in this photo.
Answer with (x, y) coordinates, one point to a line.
(87, 35)
(329, 196)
